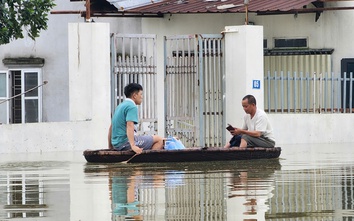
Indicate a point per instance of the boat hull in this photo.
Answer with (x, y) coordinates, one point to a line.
(185, 155)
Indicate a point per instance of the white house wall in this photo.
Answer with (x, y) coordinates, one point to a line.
(325, 33)
(52, 45)
(60, 132)
(89, 100)
(312, 128)
(241, 69)
(332, 30)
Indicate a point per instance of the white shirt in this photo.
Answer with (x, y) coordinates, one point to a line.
(260, 123)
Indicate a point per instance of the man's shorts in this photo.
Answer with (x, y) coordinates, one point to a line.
(142, 141)
(258, 141)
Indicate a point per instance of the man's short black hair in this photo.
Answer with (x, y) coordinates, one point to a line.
(132, 88)
(251, 99)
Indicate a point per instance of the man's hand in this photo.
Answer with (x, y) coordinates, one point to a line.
(236, 131)
(137, 149)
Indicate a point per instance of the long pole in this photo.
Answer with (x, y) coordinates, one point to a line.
(246, 8)
(88, 11)
(17, 95)
(246, 2)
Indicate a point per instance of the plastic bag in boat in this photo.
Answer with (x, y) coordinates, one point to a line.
(173, 143)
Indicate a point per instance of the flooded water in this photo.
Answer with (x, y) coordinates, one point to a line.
(307, 182)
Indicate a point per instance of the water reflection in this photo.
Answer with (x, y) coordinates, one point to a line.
(251, 189)
(199, 191)
(28, 191)
(326, 193)
(306, 183)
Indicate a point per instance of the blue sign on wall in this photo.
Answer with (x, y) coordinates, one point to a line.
(256, 84)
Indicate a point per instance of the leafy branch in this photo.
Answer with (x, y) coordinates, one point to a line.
(17, 16)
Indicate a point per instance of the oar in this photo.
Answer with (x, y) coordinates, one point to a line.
(127, 161)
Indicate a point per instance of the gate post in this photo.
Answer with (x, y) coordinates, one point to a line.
(89, 81)
(243, 70)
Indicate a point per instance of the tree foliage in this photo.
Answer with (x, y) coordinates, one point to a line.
(19, 16)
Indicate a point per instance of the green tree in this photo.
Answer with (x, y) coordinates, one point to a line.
(19, 16)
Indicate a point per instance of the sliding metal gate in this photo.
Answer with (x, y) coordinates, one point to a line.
(134, 60)
(193, 84)
(194, 89)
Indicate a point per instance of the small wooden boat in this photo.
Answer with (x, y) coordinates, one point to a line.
(184, 155)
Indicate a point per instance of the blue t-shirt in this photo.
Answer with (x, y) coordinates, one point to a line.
(126, 111)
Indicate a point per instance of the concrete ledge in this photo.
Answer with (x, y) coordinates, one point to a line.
(312, 128)
(81, 135)
(23, 61)
(48, 137)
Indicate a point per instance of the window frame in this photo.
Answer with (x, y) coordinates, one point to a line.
(275, 39)
(7, 103)
(24, 98)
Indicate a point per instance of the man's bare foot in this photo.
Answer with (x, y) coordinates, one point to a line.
(227, 145)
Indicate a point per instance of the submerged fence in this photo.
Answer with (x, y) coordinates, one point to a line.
(309, 93)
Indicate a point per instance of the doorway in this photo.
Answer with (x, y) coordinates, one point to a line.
(347, 70)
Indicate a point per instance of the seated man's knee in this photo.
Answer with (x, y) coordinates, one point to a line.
(157, 139)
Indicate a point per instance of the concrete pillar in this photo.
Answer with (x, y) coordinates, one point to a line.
(89, 100)
(89, 70)
(89, 81)
(243, 70)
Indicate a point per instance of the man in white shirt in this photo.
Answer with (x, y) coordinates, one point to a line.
(256, 130)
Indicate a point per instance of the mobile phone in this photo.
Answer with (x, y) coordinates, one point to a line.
(229, 127)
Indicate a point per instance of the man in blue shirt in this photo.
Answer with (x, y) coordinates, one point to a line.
(122, 134)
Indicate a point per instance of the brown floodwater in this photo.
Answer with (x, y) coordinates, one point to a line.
(307, 182)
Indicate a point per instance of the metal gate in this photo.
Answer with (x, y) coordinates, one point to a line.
(194, 89)
(134, 60)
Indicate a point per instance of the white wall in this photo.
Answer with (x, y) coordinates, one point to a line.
(333, 29)
(325, 33)
(89, 86)
(55, 136)
(52, 45)
(243, 64)
(312, 128)
(89, 68)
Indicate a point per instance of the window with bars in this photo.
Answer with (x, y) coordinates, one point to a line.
(20, 96)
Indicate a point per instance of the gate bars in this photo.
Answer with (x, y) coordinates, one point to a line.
(134, 60)
(194, 89)
(193, 84)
